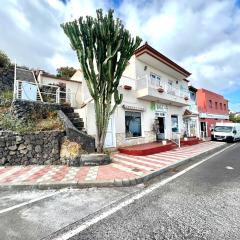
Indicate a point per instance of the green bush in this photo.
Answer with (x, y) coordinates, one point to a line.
(4, 60)
(6, 98)
(8, 122)
(7, 95)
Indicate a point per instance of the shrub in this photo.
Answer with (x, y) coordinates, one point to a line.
(4, 60)
(6, 98)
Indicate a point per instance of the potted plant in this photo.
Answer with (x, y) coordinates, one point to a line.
(185, 138)
(186, 98)
(127, 87)
(164, 141)
(160, 90)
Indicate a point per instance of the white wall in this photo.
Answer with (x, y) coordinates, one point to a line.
(135, 69)
(140, 72)
(74, 87)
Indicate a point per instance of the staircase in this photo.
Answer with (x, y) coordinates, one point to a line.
(73, 117)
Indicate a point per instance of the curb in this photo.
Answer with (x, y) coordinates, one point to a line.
(110, 183)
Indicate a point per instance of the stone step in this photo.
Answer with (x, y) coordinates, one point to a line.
(79, 124)
(67, 110)
(72, 115)
(76, 120)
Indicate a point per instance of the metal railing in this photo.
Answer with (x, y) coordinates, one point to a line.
(176, 138)
(203, 135)
(42, 92)
(147, 82)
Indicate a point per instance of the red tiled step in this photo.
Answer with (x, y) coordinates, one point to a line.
(147, 149)
(190, 141)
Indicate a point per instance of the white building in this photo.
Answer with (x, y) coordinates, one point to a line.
(155, 96)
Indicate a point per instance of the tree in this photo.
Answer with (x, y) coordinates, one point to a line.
(66, 72)
(234, 118)
(4, 60)
(103, 47)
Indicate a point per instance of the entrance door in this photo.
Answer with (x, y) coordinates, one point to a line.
(110, 138)
(203, 129)
(161, 127)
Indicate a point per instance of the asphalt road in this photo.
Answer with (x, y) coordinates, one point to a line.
(51, 211)
(203, 203)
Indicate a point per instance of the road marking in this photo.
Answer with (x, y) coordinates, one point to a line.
(87, 224)
(31, 201)
(229, 168)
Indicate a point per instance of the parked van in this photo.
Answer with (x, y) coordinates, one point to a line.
(229, 132)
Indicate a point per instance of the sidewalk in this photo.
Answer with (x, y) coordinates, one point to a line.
(125, 170)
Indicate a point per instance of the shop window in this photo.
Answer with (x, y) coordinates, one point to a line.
(133, 124)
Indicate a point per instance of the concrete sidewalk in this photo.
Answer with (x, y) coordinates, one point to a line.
(125, 170)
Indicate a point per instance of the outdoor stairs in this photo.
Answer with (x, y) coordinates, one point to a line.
(74, 117)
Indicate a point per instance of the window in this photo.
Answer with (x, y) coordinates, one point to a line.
(193, 96)
(155, 80)
(221, 106)
(225, 108)
(210, 103)
(174, 120)
(216, 105)
(133, 124)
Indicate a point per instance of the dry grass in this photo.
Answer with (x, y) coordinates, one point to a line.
(52, 122)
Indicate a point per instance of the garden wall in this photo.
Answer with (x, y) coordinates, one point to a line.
(32, 148)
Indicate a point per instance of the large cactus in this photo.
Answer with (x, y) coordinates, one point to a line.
(103, 47)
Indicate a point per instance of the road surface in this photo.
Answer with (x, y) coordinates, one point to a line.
(199, 201)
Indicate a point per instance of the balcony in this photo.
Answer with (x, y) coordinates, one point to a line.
(164, 92)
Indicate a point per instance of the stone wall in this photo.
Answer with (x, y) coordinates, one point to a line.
(32, 148)
(121, 140)
(24, 109)
(86, 141)
(6, 79)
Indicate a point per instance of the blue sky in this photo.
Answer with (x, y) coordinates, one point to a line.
(202, 36)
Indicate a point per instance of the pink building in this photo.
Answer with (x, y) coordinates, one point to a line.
(212, 108)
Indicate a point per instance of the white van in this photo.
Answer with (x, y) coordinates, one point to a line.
(229, 132)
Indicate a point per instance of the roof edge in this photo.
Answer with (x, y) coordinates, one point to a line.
(144, 48)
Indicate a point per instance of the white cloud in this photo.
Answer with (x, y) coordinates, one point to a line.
(202, 36)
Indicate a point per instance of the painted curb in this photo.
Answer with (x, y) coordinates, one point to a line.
(110, 183)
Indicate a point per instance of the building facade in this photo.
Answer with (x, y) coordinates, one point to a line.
(191, 115)
(155, 97)
(212, 108)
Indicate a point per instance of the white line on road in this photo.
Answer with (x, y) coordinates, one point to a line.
(31, 201)
(127, 202)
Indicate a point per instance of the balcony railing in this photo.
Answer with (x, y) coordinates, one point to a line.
(40, 92)
(146, 82)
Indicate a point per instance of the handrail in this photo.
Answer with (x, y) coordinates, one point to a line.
(56, 93)
(176, 138)
(37, 86)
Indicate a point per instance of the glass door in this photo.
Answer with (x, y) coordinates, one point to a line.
(174, 120)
